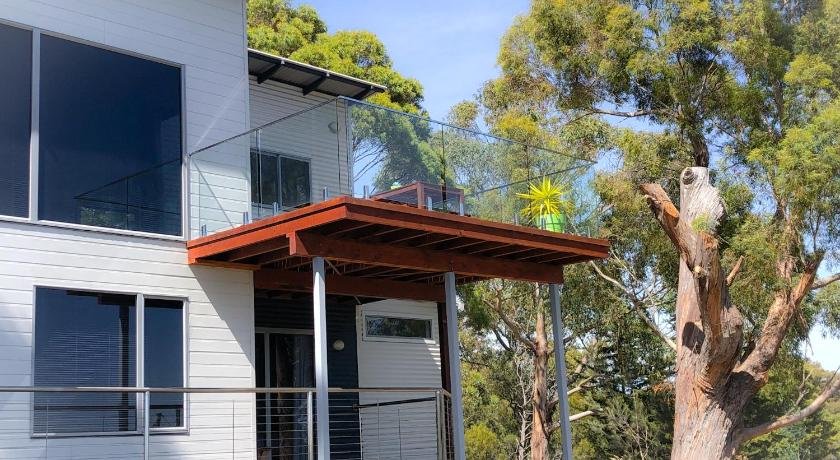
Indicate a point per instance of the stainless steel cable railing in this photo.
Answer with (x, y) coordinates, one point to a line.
(262, 423)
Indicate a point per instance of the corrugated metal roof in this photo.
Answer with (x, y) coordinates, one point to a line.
(307, 77)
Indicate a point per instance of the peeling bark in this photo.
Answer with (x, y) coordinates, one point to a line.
(541, 419)
(712, 386)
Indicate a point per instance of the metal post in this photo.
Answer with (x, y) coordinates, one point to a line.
(455, 368)
(326, 193)
(233, 428)
(310, 439)
(461, 210)
(275, 208)
(560, 366)
(319, 307)
(441, 437)
(246, 218)
(146, 406)
(429, 203)
(365, 192)
(203, 230)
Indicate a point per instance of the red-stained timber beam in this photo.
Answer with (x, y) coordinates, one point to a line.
(310, 245)
(347, 285)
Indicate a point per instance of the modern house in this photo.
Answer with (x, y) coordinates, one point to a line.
(207, 251)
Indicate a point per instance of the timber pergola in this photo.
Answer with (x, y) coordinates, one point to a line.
(377, 249)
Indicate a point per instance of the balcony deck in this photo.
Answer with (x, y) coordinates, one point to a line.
(387, 250)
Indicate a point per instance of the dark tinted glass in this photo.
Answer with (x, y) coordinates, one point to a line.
(295, 182)
(268, 180)
(15, 119)
(110, 139)
(84, 339)
(383, 326)
(164, 360)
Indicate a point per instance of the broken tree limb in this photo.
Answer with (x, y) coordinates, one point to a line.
(706, 290)
(734, 271)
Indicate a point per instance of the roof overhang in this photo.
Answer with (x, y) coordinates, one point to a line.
(308, 78)
(385, 250)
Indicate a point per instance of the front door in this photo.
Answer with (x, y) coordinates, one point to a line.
(284, 359)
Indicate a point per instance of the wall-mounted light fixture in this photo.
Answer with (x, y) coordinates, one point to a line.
(338, 345)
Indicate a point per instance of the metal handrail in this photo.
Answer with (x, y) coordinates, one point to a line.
(290, 390)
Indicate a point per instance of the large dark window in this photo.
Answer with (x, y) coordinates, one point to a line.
(110, 139)
(278, 182)
(89, 339)
(84, 339)
(164, 360)
(15, 119)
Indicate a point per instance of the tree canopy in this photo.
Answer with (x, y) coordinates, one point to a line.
(298, 32)
(748, 89)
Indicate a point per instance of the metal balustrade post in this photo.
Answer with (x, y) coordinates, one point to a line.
(560, 367)
(233, 428)
(310, 439)
(429, 204)
(439, 414)
(146, 408)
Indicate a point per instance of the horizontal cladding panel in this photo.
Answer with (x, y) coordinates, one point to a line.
(220, 333)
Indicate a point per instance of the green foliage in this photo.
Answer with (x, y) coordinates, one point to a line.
(749, 88)
(275, 26)
(482, 443)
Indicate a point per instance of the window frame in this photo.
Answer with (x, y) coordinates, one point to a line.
(280, 156)
(433, 340)
(34, 144)
(139, 359)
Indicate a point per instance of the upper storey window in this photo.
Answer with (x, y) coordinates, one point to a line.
(106, 139)
(15, 119)
(110, 139)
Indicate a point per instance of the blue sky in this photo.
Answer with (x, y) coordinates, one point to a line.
(451, 47)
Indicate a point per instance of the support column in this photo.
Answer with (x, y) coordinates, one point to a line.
(455, 368)
(560, 367)
(319, 310)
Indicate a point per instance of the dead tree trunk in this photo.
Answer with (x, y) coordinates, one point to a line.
(713, 386)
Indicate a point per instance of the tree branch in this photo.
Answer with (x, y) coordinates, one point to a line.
(734, 272)
(823, 282)
(830, 389)
(556, 426)
(636, 306)
(785, 305)
(514, 328)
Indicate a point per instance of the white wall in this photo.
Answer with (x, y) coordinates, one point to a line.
(306, 135)
(207, 38)
(405, 429)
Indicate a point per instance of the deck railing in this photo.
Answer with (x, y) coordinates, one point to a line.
(348, 147)
(224, 423)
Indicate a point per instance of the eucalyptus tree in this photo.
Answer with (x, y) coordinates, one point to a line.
(734, 110)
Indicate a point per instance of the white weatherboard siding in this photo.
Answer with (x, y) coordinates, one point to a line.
(220, 322)
(408, 429)
(306, 135)
(205, 37)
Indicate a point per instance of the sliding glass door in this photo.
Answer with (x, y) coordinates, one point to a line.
(284, 359)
